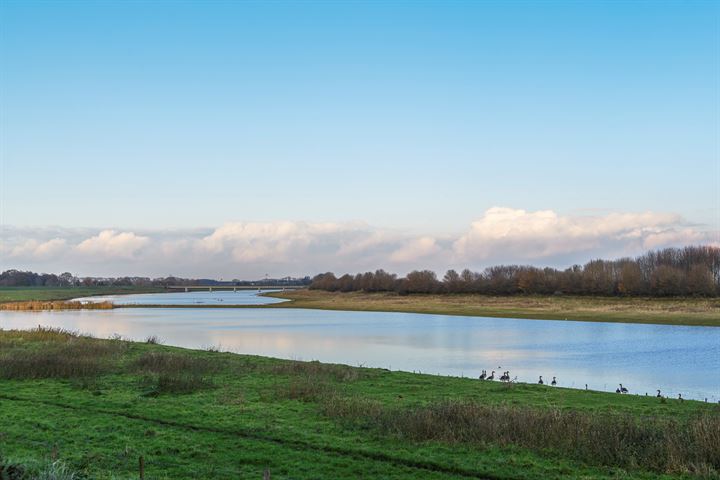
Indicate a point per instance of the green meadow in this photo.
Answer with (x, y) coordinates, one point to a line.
(24, 294)
(78, 407)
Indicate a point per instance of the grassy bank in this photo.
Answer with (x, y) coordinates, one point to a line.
(94, 407)
(25, 294)
(668, 311)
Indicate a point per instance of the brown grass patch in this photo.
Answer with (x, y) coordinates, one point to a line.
(56, 305)
(655, 444)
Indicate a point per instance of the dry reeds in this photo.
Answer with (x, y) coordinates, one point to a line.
(55, 305)
(653, 443)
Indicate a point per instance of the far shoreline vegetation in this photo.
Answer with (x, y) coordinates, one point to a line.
(668, 287)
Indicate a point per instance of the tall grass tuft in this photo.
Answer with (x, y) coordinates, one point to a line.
(36, 470)
(174, 373)
(59, 354)
(311, 381)
(655, 444)
(329, 371)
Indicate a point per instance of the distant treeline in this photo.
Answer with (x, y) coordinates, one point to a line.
(17, 278)
(669, 272)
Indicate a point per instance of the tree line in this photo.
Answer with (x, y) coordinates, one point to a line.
(689, 271)
(18, 278)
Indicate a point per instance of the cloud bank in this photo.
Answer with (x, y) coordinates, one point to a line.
(252, 249)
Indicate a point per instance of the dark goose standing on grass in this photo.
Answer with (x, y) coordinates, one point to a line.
(492, 376)
(541, 380)
(622, 389)
(483, 375)
(554, 382)
(658, 394)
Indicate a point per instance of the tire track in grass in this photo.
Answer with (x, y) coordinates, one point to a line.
(294, 444)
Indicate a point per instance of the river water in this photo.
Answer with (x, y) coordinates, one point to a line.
(643, 358)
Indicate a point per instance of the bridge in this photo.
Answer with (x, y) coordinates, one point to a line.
(234, 288)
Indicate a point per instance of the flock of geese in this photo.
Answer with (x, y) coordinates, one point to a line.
(505, 377)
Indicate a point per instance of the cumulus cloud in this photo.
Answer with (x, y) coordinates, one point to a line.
(523, 235)
(274, 241)
(39, 250)
(110, 243)
(251, 249)
(415, 250)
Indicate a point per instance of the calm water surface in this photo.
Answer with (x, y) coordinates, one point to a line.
(675, 359)
(202, 297)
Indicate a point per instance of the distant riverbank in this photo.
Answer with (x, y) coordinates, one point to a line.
(662, 311)
(32, 294)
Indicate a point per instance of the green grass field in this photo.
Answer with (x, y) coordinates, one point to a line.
(96, 406)
(667, 311)
(23, 294)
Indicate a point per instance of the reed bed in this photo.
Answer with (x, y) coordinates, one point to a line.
(55, 305)
(657, 444)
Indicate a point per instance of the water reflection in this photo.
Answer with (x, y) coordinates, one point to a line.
(196, 297)
(642, 357)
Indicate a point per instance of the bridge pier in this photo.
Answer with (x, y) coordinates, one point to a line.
(187, 289)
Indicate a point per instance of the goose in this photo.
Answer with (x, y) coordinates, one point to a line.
(492, 376)
(541, 380)
(554, 382)
(623, 389)
(680, 397)
(659, 395)
(483, 375)
(617, 390)
(586, 386)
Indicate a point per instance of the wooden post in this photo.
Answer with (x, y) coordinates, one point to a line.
(142, 467)
(54, 453)
(266, 474)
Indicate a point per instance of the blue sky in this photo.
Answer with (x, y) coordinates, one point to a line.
(413, 119)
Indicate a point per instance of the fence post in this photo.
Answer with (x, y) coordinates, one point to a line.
(142, 467)
(54, 453)
(266, 474)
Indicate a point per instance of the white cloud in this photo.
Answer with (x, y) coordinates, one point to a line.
(272, 241)
(110, 243)
(522, 235)
(251, 249)
(39, 250)
(415, 249)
